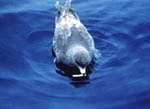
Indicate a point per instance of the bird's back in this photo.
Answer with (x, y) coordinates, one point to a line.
(69, 31)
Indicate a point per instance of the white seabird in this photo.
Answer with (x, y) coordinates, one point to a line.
(73, 46)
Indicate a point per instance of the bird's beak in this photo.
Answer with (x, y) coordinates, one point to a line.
(82, 71)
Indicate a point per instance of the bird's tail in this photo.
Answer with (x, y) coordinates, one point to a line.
(64, 7)
(64, 10)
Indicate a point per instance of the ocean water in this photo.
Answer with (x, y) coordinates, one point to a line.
(120, 78)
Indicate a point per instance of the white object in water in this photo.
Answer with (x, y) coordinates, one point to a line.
(72, 44)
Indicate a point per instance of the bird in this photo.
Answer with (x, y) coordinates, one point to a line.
(72, 45)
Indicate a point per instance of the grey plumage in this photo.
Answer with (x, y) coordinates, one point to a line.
(72, 44)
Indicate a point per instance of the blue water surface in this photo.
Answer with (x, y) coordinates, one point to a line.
(120, 78)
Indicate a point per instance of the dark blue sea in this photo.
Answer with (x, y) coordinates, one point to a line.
(120, 77)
